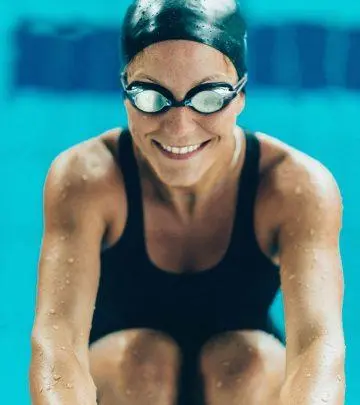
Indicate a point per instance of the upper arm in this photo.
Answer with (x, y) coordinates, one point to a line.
(69, 265)
(310, 260)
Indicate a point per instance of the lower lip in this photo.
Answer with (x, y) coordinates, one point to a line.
(178, 156)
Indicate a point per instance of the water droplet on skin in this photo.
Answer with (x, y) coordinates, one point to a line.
(62, 238)
(128, 392)
(219, 384)
(57, 377)
(339, 378)
(298, 220)
(62, 348)
(41, 389)
(62, 288)
(312, 232)
(67, 282)
(69, 386)
(308, 375)
(52, 311)
(71, 260)
(55, 327)
(325, 397)
(298, 190)
(84, 177)
(48, 388)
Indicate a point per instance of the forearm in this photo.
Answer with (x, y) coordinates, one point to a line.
(57, 377)
(316, 377)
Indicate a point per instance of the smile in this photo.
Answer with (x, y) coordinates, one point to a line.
(180, 152)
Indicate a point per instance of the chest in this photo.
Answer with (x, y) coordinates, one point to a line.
(199, 244)
(196, 245)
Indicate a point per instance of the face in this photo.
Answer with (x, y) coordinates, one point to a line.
(179, 66)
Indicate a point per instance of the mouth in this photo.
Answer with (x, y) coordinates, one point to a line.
(180, 152)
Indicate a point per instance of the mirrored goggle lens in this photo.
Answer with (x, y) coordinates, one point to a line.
(150, 101)
(208, 101)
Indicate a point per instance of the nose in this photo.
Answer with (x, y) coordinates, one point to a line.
(178, 121)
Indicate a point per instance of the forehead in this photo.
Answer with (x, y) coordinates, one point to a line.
(181, 58)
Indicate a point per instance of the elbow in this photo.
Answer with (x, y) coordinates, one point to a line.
(54, 366)
(332, 348)
(330, 343)
(324, 354)
(327, 355)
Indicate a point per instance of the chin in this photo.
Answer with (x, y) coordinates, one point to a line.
(179, 174)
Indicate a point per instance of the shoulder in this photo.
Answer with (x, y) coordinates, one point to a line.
(88, 162)
(86, 172)
(296, 183)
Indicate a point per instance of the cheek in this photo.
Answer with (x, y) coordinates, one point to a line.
(140, 124)
(135, 116)
(221, 122)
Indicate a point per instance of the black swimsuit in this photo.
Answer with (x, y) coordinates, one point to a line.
(233, 295)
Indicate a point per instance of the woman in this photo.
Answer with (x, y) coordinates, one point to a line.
(180, 228)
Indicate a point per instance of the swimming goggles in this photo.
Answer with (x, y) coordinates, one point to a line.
(206, 98)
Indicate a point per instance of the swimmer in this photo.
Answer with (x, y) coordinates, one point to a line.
(166, 241)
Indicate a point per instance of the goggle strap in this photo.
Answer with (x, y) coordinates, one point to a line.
(241, 83)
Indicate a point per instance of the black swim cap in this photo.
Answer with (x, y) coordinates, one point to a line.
(217, 23)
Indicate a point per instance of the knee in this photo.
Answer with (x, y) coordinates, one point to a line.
(233, 358)
(136, 359)
(150, 357)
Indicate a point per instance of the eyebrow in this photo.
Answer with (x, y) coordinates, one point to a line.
(206, 79)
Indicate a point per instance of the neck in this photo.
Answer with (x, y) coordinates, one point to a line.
(188, 202)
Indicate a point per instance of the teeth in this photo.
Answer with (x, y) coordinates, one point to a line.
(182, 150)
